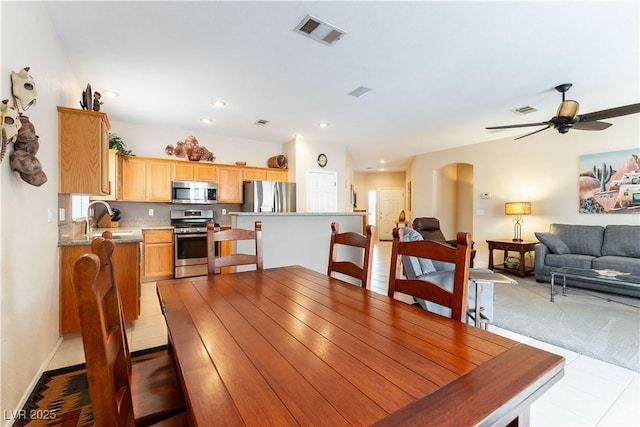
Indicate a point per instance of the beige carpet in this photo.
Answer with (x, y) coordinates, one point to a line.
(600, 325)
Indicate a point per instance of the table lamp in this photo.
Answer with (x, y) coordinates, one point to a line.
(517, 209)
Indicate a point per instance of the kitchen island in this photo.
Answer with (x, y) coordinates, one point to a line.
(297, 238)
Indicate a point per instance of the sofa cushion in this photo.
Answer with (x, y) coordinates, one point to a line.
(618, 263)
(415, 266)
(622, 240)
(569, 260)
(581, 239)
(555, 244)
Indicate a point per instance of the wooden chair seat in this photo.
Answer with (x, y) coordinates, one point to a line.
(155, 389)
(361, 270)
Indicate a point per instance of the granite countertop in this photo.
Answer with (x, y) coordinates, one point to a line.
(120, 235)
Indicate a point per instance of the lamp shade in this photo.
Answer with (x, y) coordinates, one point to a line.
(517, 208)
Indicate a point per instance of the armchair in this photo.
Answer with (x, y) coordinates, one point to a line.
(429, 228)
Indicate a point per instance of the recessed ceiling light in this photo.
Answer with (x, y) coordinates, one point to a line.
(206, 120)
(109, 93)
(219, 103)
(323, 124)
(382, 161)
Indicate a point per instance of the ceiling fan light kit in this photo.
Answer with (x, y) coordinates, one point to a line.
(567, 116)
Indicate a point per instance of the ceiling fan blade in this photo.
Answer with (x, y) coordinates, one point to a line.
(591, 125)
(518, 126)
(529, 134)
(607, 114)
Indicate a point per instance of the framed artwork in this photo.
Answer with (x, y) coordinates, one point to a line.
(610, 182)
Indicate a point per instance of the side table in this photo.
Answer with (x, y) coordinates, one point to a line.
(509, 245)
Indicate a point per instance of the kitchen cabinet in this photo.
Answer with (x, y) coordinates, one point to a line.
(205, 172)
(229, 184)
(254, 174)
(133, 178)
(277, 175)
(262, 174)
(126, 262)
(157, 254)
(144, 180)
(83, 152)
(182, 171)
(158, 181)
(113, 177)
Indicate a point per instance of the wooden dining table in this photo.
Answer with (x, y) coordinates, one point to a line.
(291, 346)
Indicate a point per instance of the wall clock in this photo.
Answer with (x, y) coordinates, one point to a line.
(322, 160)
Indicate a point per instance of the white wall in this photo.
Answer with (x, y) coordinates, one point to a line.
(144, 140)
(542, 168)
(306, 156)
(28, 248)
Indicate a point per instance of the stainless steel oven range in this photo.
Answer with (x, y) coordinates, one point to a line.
(190, 236)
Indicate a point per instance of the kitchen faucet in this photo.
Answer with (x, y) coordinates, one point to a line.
(89, 207)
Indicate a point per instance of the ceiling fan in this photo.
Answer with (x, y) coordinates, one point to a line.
(567, 116)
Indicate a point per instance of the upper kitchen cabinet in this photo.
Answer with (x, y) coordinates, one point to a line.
(144, 179)
(192, 171)
(229, 184)
(277, 175)
(83, 152)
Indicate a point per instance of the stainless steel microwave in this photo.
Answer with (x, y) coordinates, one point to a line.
(194, 192)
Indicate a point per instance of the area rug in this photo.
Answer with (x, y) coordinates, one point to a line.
(61, 396)
(596, 324)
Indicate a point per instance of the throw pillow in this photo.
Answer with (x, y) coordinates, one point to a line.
(425, 265)
(554, 244)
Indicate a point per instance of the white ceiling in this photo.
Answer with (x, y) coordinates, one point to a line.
(440, 71)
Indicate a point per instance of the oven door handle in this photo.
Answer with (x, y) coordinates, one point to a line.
(191, 235)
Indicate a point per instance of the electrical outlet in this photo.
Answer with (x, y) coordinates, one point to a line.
(485, 195)
(150, 212)
(61, 214)
(224, 211)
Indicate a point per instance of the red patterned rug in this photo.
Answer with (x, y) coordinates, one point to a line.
(61, 396)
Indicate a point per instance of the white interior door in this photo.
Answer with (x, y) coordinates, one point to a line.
(390, 203)
(322, 194)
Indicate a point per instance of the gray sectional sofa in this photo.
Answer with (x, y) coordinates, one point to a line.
(615, 247)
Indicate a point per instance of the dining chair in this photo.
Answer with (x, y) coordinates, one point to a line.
(122, 394)
(457, 299)
(233, 235)
(361, 271)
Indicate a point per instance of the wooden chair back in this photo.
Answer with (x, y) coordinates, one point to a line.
(460, 256)
(234, 234)
(360, 271)
(103, 336)
(122, 393)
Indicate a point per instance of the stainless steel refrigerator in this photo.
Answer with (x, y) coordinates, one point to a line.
(269, 196)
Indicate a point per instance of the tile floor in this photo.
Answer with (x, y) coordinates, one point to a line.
(592, 392)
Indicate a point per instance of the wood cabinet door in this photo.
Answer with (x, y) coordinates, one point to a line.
(254, 174)
(277, 175)
(83, 148)
(158, 254)
(229, 185)
(206, 172)
(126, 260)
(158, 181)
(133, 179)
(182, 171)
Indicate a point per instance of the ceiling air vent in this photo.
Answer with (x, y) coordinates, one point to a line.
(524, 110)
(319, 30)
(357, 93)
(261, 122)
